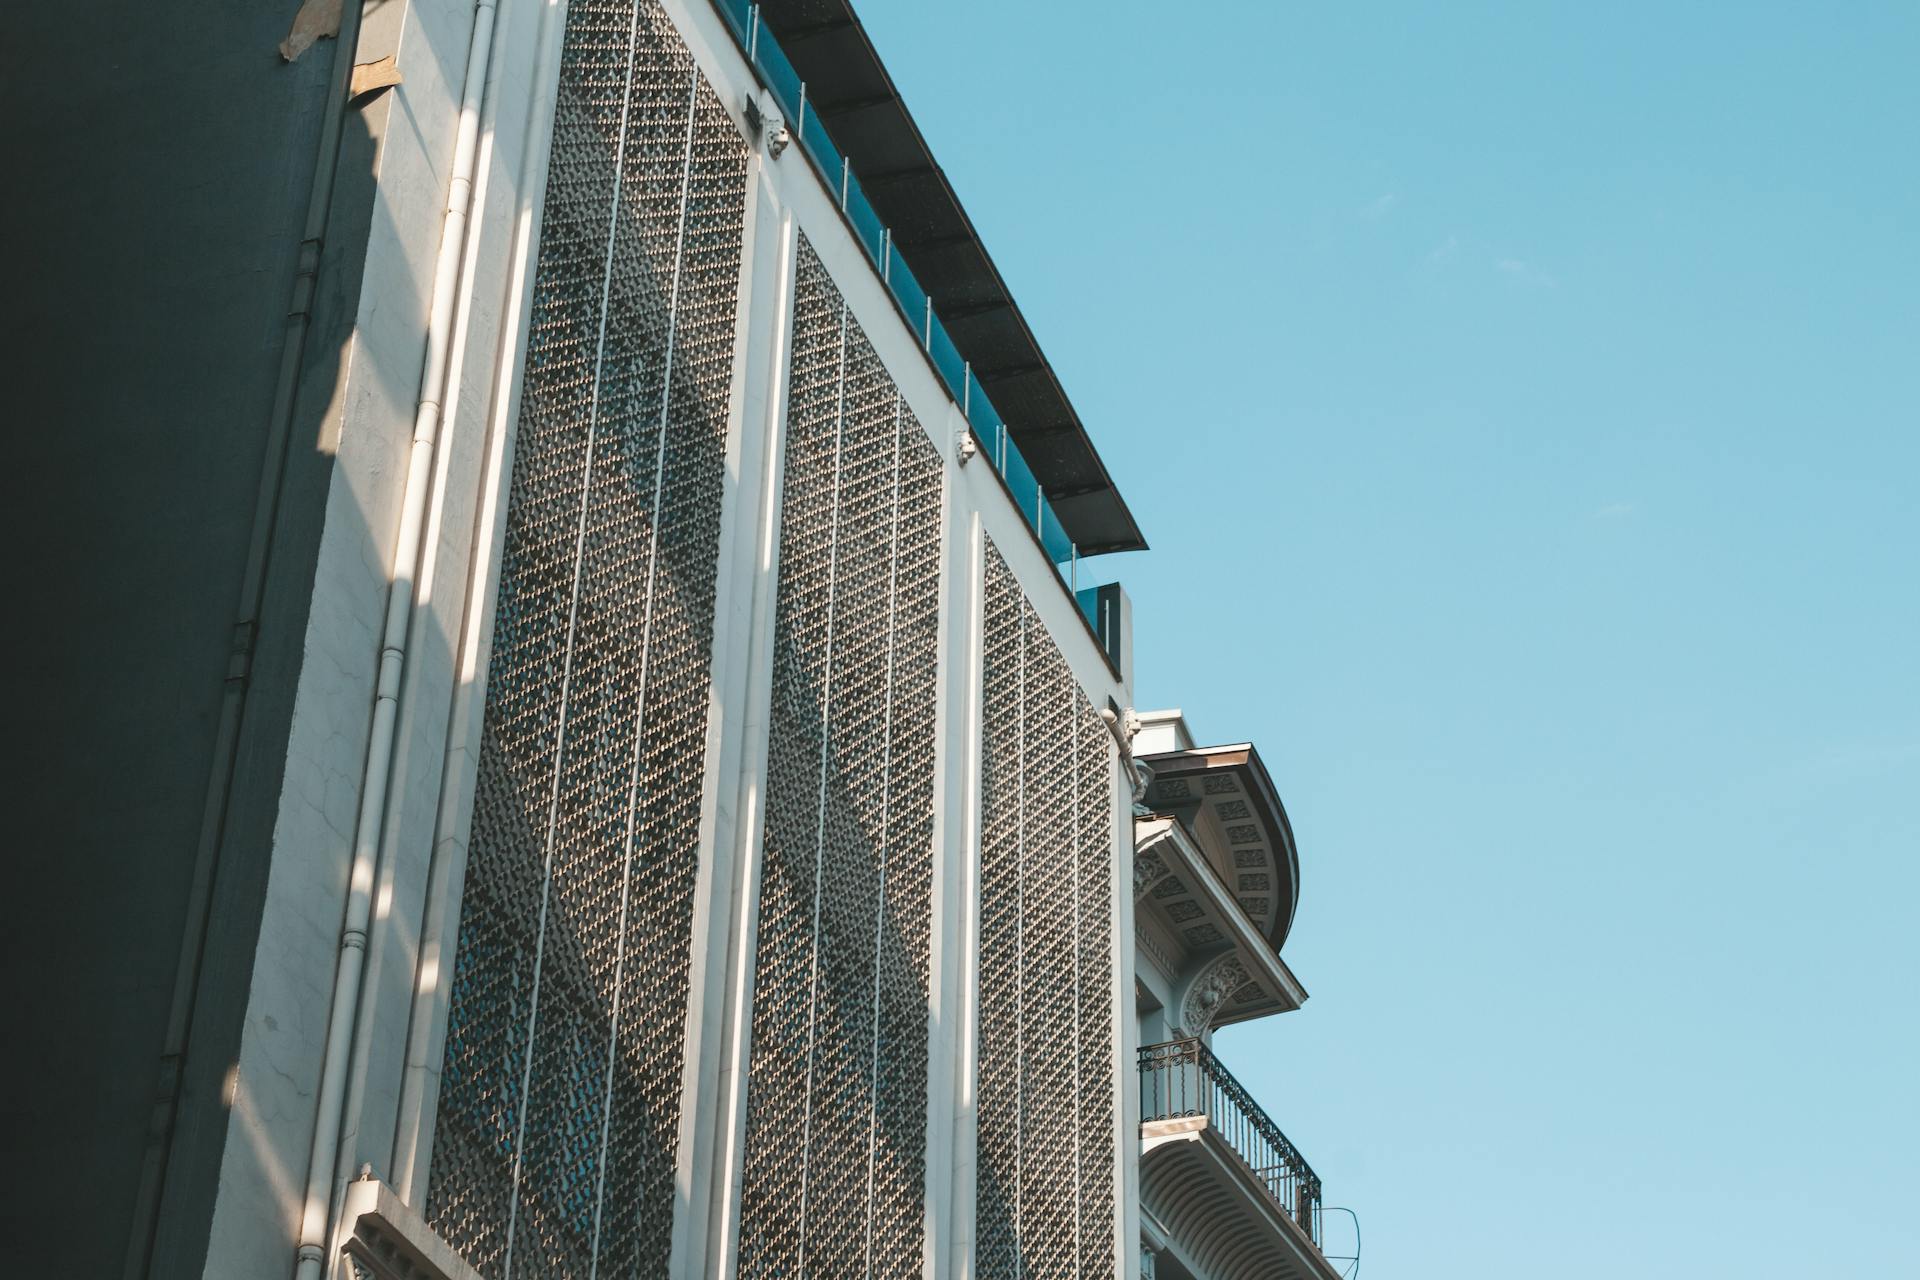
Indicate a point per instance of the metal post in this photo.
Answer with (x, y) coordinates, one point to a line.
(926, 334)
(966, 389)
(753, 33)
(846, 172)
(800, 125)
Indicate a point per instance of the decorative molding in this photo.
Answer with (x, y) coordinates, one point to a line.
(1209, 991)
(1156, 947)
(1149, 869)
(1171, 876)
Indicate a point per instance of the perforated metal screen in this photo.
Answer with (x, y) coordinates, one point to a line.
(560, 1100)
(1045, 1199)
(837, 1098)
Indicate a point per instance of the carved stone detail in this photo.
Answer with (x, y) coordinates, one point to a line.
(1149, 869)
(1209, 991)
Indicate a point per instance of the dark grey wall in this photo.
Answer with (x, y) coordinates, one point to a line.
(159, 160)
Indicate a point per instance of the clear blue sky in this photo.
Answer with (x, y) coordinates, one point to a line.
(1523, 403)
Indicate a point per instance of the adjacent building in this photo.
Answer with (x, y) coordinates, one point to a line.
(677, 804)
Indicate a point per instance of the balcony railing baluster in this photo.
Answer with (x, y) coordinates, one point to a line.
(1182, 1078)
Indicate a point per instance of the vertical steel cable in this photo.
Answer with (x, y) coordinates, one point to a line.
(646, 653)
(820, 829)
(886, 833)
(1079, 857)
(566, 668)
(1020, 951)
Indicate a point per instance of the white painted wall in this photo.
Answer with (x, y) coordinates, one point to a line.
(1162, 731)
(256, 1216)
(394, 1092)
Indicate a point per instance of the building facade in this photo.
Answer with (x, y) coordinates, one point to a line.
(705, 828)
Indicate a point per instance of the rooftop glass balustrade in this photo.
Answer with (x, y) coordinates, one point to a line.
(916, 308)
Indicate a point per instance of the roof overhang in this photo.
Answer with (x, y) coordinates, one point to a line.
(1222, 967)
(870, 124)
(1227, 800)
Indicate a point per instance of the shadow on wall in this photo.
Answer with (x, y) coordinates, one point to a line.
(182, 1165)
(172, 153)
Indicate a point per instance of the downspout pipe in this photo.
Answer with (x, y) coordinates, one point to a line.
(447, 865)
(460, 350)
(242, 642)
(344, 1010)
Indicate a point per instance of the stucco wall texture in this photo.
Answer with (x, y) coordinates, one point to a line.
(161, 161)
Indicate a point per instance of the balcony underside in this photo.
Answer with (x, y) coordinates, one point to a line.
(1220, 1221)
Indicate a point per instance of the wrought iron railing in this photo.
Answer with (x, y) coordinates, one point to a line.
(1182, 1078)
(838, 172)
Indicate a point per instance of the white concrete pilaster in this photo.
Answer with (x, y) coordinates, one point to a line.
(956, 1053)
(508, 202)
(720, 995)
(428, 695)
(272, 1085)
(1126, 1031)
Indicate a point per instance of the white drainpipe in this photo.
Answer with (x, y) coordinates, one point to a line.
(419, 1087)
(343, 1013)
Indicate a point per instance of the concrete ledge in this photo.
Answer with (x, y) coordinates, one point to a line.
(1155, 1133)
(388, 1240)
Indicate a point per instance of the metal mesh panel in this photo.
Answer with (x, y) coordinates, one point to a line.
(1045, 1196)
(837, 1099)
(1099, 993)
(1001, 1100)
(559, 1103)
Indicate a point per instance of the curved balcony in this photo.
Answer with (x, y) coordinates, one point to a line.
(1233, 1196)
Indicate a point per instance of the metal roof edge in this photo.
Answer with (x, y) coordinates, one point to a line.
(799, 25)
